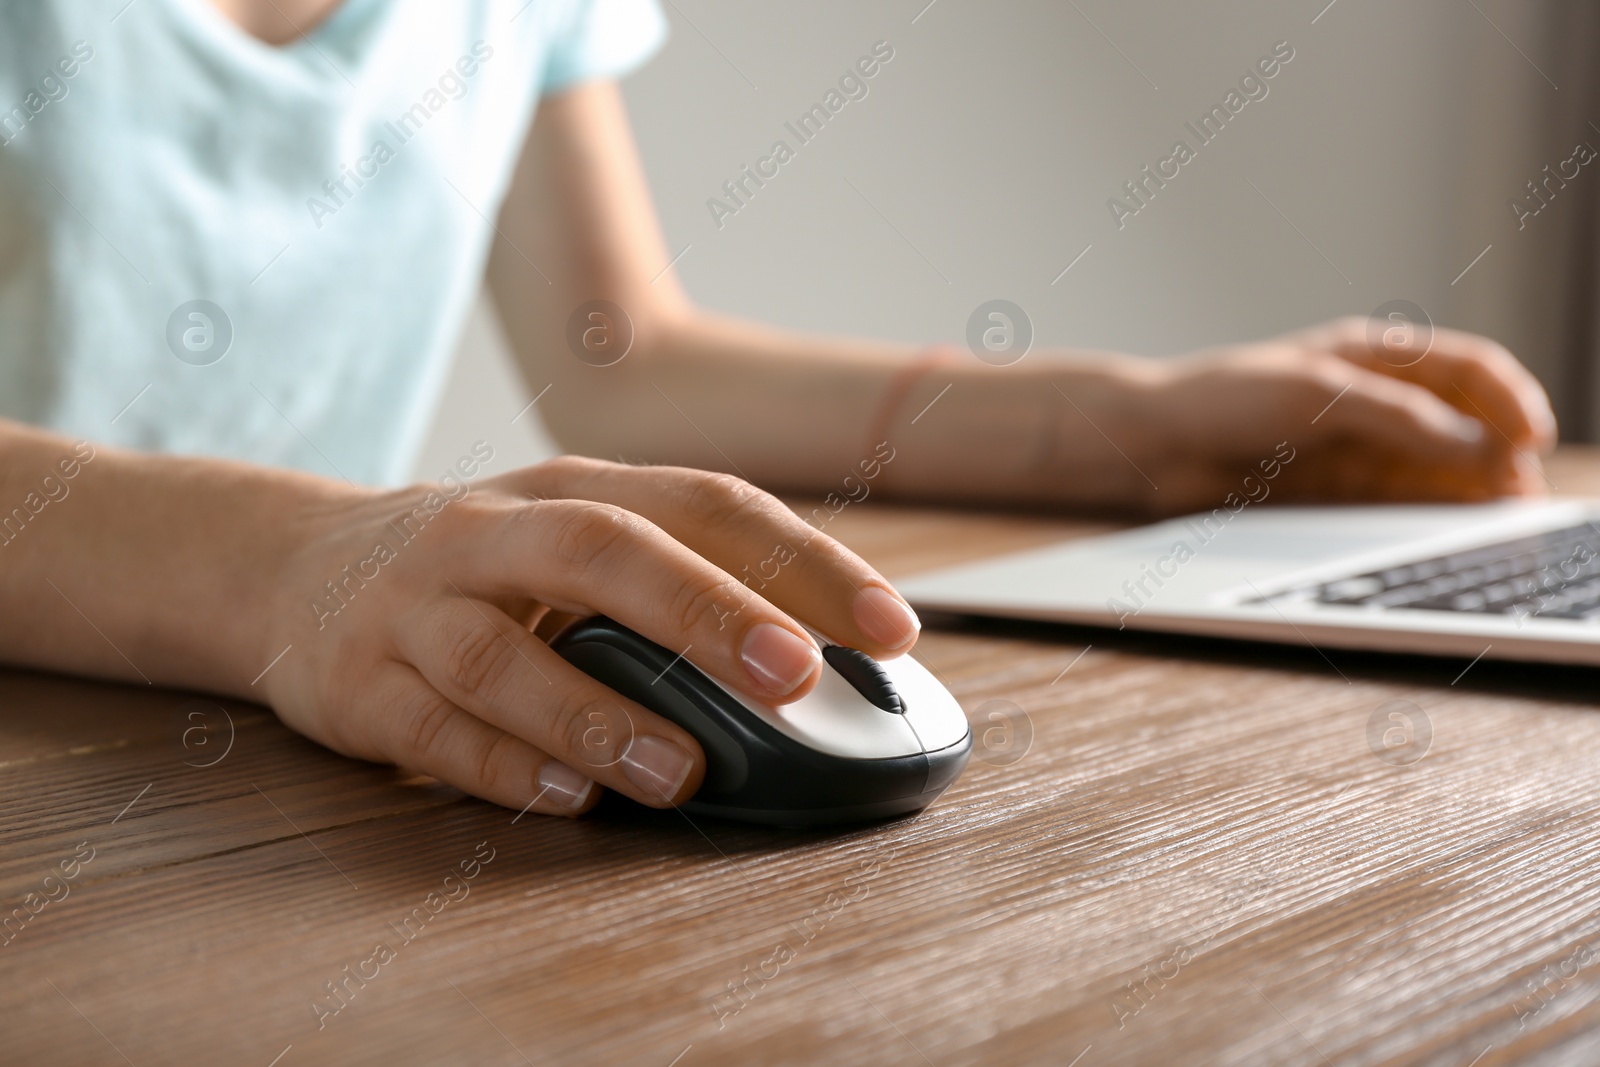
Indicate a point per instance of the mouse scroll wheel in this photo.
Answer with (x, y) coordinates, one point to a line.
(869, 679)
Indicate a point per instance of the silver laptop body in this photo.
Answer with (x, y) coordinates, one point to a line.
(1514, 580)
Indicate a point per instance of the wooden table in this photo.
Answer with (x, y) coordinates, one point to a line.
(1198, 858)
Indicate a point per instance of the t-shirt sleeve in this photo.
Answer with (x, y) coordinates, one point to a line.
(604, 39)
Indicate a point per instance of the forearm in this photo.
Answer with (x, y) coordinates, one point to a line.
(795, 412)
(142, 568)
(786, 410)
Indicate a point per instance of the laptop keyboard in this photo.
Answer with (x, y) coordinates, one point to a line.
(1553, 575)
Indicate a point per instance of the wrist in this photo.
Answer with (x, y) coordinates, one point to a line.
(208, 545)
(1107, 438)
(1032, 433)
(318, 529)
(143, 568)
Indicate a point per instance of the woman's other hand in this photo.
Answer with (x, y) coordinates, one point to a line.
(1371, 410)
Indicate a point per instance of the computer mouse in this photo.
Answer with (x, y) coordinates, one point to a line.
(872, 740)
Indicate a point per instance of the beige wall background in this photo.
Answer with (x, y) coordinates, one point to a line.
(1379, 166)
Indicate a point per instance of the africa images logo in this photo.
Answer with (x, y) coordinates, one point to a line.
(450, 85)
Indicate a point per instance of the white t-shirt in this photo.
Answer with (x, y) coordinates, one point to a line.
(212, 246)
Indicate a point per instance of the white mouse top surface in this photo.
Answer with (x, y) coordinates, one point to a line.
(836, 719)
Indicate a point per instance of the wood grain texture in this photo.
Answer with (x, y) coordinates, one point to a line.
(1183, 851)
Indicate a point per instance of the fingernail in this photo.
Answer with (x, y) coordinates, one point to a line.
(563, 785)
(778, 659)
(1469, 430)
(885, 618)
(658, 767)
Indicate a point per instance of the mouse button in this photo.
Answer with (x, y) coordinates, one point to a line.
(727, 767)
(835, 719)
(932, 712)
(866, 675)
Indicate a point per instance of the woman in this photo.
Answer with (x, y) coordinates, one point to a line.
(237, 239)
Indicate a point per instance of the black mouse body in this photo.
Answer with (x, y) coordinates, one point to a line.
(872, 741)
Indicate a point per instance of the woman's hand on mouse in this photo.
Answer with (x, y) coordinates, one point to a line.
(410, 615)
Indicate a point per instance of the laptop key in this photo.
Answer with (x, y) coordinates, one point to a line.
(1554, 574)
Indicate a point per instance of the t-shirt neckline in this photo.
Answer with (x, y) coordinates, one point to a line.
(202, 19)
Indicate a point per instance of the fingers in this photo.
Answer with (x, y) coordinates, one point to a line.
(1399, 417)
(1470, 372)
(589, 558)
(753, 536)
(1382, 438)
(425, 731)
(481, 662)
(1360, 434)
(1495, 385)
(1429, 371)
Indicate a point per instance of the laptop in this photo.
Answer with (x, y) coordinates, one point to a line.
(1510, 580)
